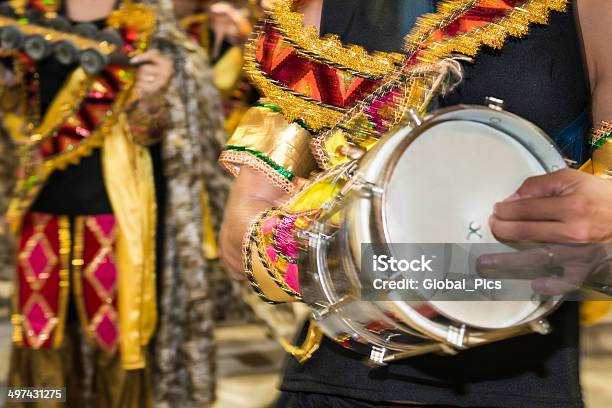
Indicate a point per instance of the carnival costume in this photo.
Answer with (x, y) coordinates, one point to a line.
(324, 103)
(111, 209)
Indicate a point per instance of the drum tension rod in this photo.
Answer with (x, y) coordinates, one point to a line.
(325, 310)
(541, 326)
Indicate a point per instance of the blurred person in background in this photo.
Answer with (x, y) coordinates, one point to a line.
(117, 190)
(221, 28)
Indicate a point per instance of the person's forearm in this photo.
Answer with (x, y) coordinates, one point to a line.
(251, 194)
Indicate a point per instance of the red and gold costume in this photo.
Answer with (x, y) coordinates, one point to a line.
(101, 268)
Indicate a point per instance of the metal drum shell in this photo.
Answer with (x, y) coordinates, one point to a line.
(372, 169)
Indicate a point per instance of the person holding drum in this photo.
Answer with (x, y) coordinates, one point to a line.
(325, 107)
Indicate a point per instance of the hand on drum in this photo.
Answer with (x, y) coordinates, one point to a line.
(570, 212)
(552, 269)
(562, 207)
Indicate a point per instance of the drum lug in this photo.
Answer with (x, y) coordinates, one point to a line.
(377, 355)
(495, 103)
(414, 118)
(456, 336)
(314, 238)
(371, 189)
(541, 326)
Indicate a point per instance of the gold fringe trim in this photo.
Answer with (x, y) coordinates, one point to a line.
(64, 283)
(329, 48)
(77, 278)
(418, 91)
(494, 34)
(294, 107)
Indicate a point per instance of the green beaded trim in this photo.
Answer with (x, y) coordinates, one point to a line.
(601, 141)
(276, 108)
(278, 168)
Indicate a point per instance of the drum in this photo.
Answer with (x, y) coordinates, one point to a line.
(431, 181)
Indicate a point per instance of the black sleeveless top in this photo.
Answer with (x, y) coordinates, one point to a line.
(541, 78)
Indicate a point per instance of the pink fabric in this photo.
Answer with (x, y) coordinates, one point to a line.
(106, 223)
(106, 274)
(271, 253)
(37, 319)
(292, 277)
(107, 332)
(38, 260)
(285, 241)
(267, 227)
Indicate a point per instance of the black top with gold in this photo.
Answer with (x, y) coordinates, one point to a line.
(79, 189)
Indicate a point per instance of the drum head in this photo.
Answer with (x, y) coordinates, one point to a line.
(445, 177)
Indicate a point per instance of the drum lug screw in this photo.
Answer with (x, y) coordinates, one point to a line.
(377, 355)
(456, 336)
(414, 118)
(495, 103)
(371, 189)
(541, 327)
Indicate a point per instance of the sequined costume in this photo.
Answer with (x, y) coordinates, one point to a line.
(110, 211)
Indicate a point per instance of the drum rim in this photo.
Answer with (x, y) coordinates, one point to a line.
(446, 115)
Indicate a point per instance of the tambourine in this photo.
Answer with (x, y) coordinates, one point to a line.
(42, 38)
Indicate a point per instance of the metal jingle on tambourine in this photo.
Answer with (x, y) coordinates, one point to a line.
(66, 52)
(93, 61)
(111, 36)
(87, 30)
(60, 24)
(36, 47)
(11, 38)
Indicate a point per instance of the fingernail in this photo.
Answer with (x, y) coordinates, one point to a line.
(496, 208)
(485, 262)
(513, 197)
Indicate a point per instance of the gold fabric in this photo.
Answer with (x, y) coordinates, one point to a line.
(267, 132)
(209, 238)
(602, 160)
(266, 283)
(111, 385)
(128, 176)
(228, 71)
